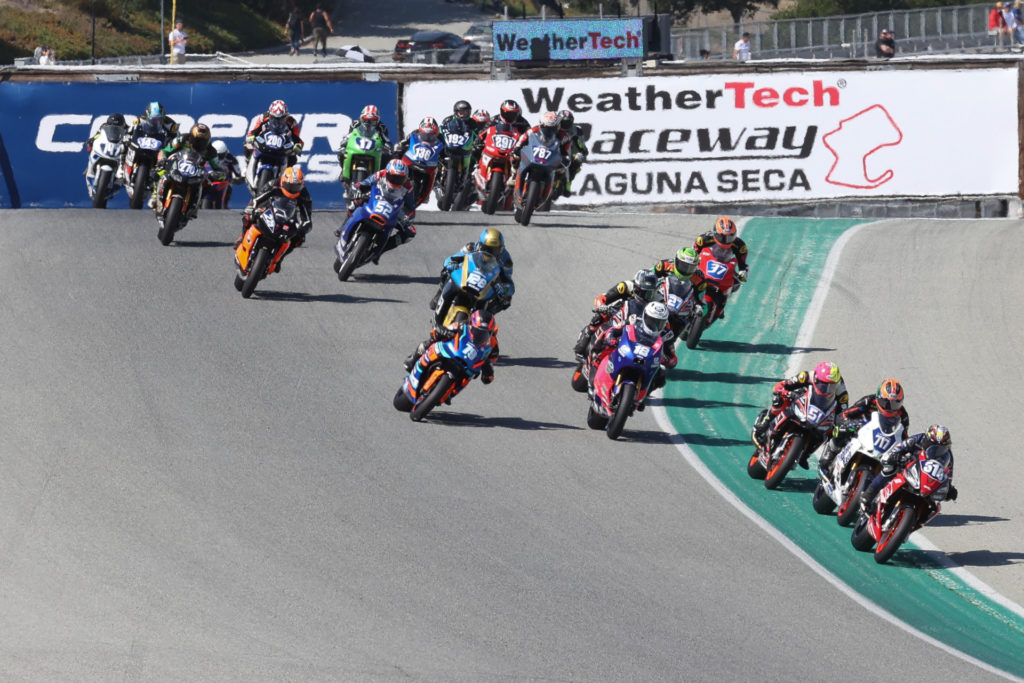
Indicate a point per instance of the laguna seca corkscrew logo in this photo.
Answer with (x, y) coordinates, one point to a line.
(853, 144)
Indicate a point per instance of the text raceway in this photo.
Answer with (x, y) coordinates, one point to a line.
(44, 126)
(787, 137)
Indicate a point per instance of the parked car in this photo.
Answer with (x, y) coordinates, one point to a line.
(440, 47)
(481, 34)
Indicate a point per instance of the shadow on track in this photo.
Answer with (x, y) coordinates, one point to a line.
(703, 403)
(712, 440)
(691, 375)
(474, 420)
(535, 362)
(963, 520)
(396, 278)
(986, 558)
(798, 485)
(202, 244)
(330, 298)
(724, 346)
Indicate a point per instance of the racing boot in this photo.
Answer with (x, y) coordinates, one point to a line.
(670, 359)
(760, 430)
(828, 455)
(582, 342)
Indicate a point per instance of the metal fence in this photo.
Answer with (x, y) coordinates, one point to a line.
(932, 30)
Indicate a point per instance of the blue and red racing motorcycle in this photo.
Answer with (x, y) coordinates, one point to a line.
(443, 370)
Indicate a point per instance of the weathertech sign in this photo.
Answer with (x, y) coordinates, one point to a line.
(568, 40)
(785, 137)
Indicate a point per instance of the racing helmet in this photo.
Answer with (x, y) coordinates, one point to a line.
(686, 263)
(369, 116)
(115, 120)
(645, 285)
(428, 129)
(939, 435)
(548, 126)
(725, 232)
(200, 136)
(481, 116)
(220, 147)
(889, 397)
(655, 318)
(481, 327)
(395, 174)
(492, 241)
(510, 111)
(292, 182)
(155, 110)
(826, 378)
(566, 121)
(463, 110)
(277, 109)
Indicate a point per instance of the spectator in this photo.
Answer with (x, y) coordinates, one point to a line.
(47, 56)
(885, 46)
(996, 25)
(178, 40)
(1013, 27)
(37, 54)
(741, 50)
(322, 27)
(705, 53)
(296, 33)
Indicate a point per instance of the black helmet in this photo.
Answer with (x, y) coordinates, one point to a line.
(463, 110)
(115, 120)
(645, 285)
(568, 122)
(510, 111)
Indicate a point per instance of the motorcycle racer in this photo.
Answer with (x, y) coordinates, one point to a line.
(547, 131)
(641, 290)
(291, 185)
(198, 139)
(824, 380)
(684, 267)
(512, 114)
(155, 113)
(906, 450)
(277, 111)
(479, 121)
(649, 326)
(369, 125)
(490, 241)
(428, 133)
(724, 235)
(462, 111)
(578, 150)
(482, 330)
(887, 400)
(394, 185)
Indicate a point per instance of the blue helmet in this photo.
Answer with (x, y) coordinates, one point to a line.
(154, 110)
(492, 241)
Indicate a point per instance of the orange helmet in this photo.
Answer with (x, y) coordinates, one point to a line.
(725, 231)
(292, 182)
(889, 397)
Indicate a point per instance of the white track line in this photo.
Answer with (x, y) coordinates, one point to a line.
(806, 330)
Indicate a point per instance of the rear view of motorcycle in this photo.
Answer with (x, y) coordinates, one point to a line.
(265, 243)
(181, 194)
(102, 175)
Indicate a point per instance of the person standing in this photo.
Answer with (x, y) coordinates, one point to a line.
(741, 50)
(322, 27)
(296, 34)
(885, 46)
(178, 40)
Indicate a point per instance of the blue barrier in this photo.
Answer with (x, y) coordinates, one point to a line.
(44, 126)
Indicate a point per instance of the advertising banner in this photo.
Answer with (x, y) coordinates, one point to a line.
(44, 126)
(787, 136)
(568, 39)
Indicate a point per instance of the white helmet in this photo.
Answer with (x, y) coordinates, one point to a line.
(220, 147)
(655, 318)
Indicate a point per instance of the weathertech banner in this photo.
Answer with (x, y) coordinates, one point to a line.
(772, 137)
(568, 39)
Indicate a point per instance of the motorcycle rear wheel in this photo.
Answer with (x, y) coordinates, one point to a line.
(495, 188)
(622, 411)
(257, 270)
(529, 203)
(861, 539)
(823, 505)
(778, 472)
(401, 401)
(595, 420)
(579, 382)
(850, 507)
(754, 467)
(99, 197)
(432, 398)
(891, 541)
(354, 257)
(139, 186)
(171, 218)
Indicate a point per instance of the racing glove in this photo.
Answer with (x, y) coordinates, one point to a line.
(600, 300)
(742, 274)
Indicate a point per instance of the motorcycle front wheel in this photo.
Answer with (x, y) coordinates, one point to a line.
(99, 197)
(823, 505)
(693, 335)
(892, 539)
(495, 188)
(754, 467)
(622, 411)
(529, 202)
(777, 472)
(448, 193)
(860, 538)
(432, 398)
(354, 257)
(257, 268)
(171, 219)
(139, 186)
(850, 507)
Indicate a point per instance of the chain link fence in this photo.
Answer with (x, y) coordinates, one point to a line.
(936, 30)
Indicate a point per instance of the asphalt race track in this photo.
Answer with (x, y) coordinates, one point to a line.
(198, 487)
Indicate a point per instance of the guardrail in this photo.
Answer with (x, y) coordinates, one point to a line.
(930, 30)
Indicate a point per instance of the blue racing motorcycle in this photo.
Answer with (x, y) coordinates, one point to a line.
(444, 369)
(366, 232)
(469, 287)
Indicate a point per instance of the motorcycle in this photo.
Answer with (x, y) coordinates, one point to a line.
(102, 176)
(451, 176)
(266, 241)
(621, 379)
(718, 267)
(422, 159)
(140, 159)
(493, 171)
(469, 288)
(908, 502)
(271, 151)
(183, 186)
(363, 155)
(539, 161)
(800, 427)
(619, 314)
(681, 300)
(855, 466)
(443, 370)
(366, 232)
